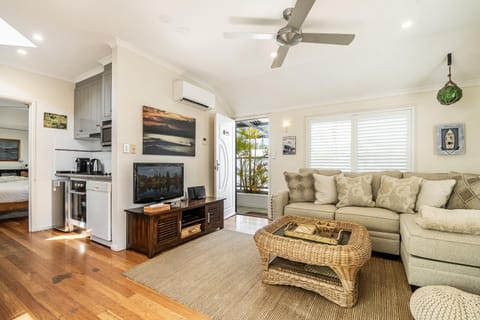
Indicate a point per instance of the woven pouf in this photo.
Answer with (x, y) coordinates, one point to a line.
(444, 303)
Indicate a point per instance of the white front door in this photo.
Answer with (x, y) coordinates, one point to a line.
(225, 162)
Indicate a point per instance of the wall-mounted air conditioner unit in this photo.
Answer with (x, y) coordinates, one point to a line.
(190, 94)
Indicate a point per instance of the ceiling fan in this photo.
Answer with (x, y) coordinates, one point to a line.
(292, 34)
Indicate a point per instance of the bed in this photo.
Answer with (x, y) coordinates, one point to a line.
(13, 193)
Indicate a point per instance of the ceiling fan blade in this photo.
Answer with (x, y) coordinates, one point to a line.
(300, 12)
(281, 54)
(328, 38)
(249, 35)
(256, 21)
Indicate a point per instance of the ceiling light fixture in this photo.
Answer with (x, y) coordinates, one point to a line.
(37, 37)
(9, 36)
(407, 24)
(22, 52)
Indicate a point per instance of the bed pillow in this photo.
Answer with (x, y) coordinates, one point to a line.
(354, 191)
(434, 193)
(325, 189)
(466, 194)
(300, 186)
(458, 220)
(398, 195)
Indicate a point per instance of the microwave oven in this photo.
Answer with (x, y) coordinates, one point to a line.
(106, 133)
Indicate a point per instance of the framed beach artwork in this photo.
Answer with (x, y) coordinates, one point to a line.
(450, 138)
(167, 133)
(9, 150)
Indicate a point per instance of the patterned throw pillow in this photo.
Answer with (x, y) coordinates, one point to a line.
(398, 195)
(300, 186)
(325, 189)
(354, 191)
(466, 194)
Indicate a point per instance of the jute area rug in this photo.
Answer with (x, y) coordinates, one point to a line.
(220, 275)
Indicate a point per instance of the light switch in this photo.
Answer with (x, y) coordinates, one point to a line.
(126, 148)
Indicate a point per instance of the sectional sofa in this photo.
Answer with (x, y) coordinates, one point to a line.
(430, 256)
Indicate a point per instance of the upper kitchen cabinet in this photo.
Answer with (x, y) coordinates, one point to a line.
(107, 92)
(88, 107)
(93, 104)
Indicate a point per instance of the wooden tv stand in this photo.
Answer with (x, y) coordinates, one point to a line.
(151, 233)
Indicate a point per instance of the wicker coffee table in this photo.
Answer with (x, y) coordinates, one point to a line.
(329, 270)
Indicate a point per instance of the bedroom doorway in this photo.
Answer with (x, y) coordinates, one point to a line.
(252, 164)
(15, 158)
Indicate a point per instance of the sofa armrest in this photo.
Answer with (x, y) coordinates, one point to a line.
(277, 204)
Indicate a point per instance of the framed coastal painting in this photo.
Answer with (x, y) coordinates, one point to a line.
(450, 138)
(55, 121)
(167, 133)
(9, 150)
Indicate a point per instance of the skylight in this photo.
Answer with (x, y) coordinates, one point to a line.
(9, 36)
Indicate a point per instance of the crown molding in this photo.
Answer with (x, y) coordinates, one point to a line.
(391, 94)
(44, 74)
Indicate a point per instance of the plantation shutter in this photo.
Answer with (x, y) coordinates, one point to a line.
(330, 144)
(383, 141)
(372, 141)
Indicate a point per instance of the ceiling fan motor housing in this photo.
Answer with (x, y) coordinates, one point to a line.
(288, 36)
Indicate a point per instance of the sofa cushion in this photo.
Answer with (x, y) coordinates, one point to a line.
(323, 172)
(455, 220)
(300, 186)
(466, 194)
(375, 219)
(427, 175)
(325, 189)
(354, 191)
(399, 195)
(309, 209)
(376, 178)
(439, 245)
(434, 193)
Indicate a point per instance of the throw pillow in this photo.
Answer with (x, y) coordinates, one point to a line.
(325, 189)
(398, 195)
(354, 191)
(458, 220)
(300, 187)
(435, 193)
(466, 194)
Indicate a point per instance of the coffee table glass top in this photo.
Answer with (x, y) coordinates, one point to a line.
(345, 237)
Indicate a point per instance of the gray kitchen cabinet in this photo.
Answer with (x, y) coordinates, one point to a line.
(107, 92)
(88, 108)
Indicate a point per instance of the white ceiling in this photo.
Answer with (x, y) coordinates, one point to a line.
(383, 58)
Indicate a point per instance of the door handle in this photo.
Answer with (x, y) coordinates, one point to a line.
(208, 217)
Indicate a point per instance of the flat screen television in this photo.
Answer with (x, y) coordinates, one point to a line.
(157, 182)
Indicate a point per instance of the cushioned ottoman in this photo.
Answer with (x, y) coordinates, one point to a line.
(444, 303)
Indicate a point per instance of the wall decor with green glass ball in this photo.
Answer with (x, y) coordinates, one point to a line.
(450, 93)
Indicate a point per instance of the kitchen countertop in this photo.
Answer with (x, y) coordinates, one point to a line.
(84, 176)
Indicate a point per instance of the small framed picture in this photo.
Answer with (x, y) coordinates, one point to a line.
(289, 145)
(450, 138)
(55, 121)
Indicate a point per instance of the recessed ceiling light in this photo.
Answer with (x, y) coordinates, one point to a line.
(273, 54)
(37, 37)
(407, 24)
(9, 36)
(22, 52)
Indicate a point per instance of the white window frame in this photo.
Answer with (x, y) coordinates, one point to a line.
(352, 117)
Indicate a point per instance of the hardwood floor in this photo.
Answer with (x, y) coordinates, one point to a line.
(46, 275)
(53, 275)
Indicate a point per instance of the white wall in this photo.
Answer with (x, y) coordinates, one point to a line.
(139, 81)
(427, 114)
(47, 95)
